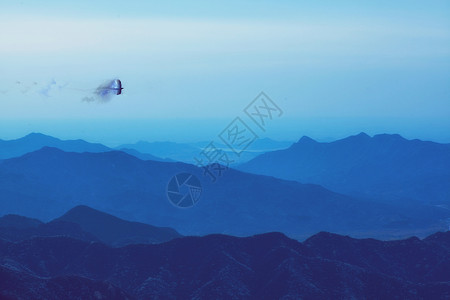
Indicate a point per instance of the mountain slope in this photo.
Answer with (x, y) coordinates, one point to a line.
(114, 231)
(19, 232)
(269, 266)
(143, 156)
(169, 150)
(22, 285)
(87, 224)
(48, 182)
(187, 152)
(384, 167)
(36, 141)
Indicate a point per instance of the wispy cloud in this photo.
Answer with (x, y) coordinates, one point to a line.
(178, 37)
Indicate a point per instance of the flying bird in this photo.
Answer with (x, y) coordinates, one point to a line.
(116, 85)
(106, 91)
(111, 87)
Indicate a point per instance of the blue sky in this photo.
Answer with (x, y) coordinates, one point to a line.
(188, 68)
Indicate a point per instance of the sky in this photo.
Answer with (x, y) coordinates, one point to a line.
(189, 68)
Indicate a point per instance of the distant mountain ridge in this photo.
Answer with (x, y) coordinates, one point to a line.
(383, 167)
(46, 183)
(35, 141)
(114, 231)
(86, 224)
(157, 151)
(187, 152)
(268, 266)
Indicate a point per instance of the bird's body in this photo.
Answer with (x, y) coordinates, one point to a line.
(117, 86)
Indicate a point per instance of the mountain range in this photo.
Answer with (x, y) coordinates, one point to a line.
(384, 167)
(157, 151)
(35, 141)
(88, 224)
(268, 266)
(46, 183)
(187, 152)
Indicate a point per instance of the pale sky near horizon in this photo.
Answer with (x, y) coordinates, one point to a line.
(335, 67)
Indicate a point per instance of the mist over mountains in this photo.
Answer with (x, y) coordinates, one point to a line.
(46, 183)
(84, 221)
(186, 152)
(157, 151)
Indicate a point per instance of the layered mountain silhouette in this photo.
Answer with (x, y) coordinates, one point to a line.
(114, 231)
(268, 266)
(384, 167)
(187, 152)
(87, 224)
(36, 141)
(183, 152)
(142, 156)
(46, 183)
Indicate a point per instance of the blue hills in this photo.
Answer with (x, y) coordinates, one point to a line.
(186, 152)
(46, 183)
(267, 266)
(384, 167)
(88, 224)
(35, 141)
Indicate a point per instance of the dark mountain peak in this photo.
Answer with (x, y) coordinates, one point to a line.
(362, 135)
(357, 138)
(325, 237)
(38, 135)
(36, 138)
(275, 235)
(306, 139)
(388, 137)
(81, 212)
(115, 231)
(45, 151)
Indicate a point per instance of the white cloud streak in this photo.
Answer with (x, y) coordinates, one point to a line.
(178, 37)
